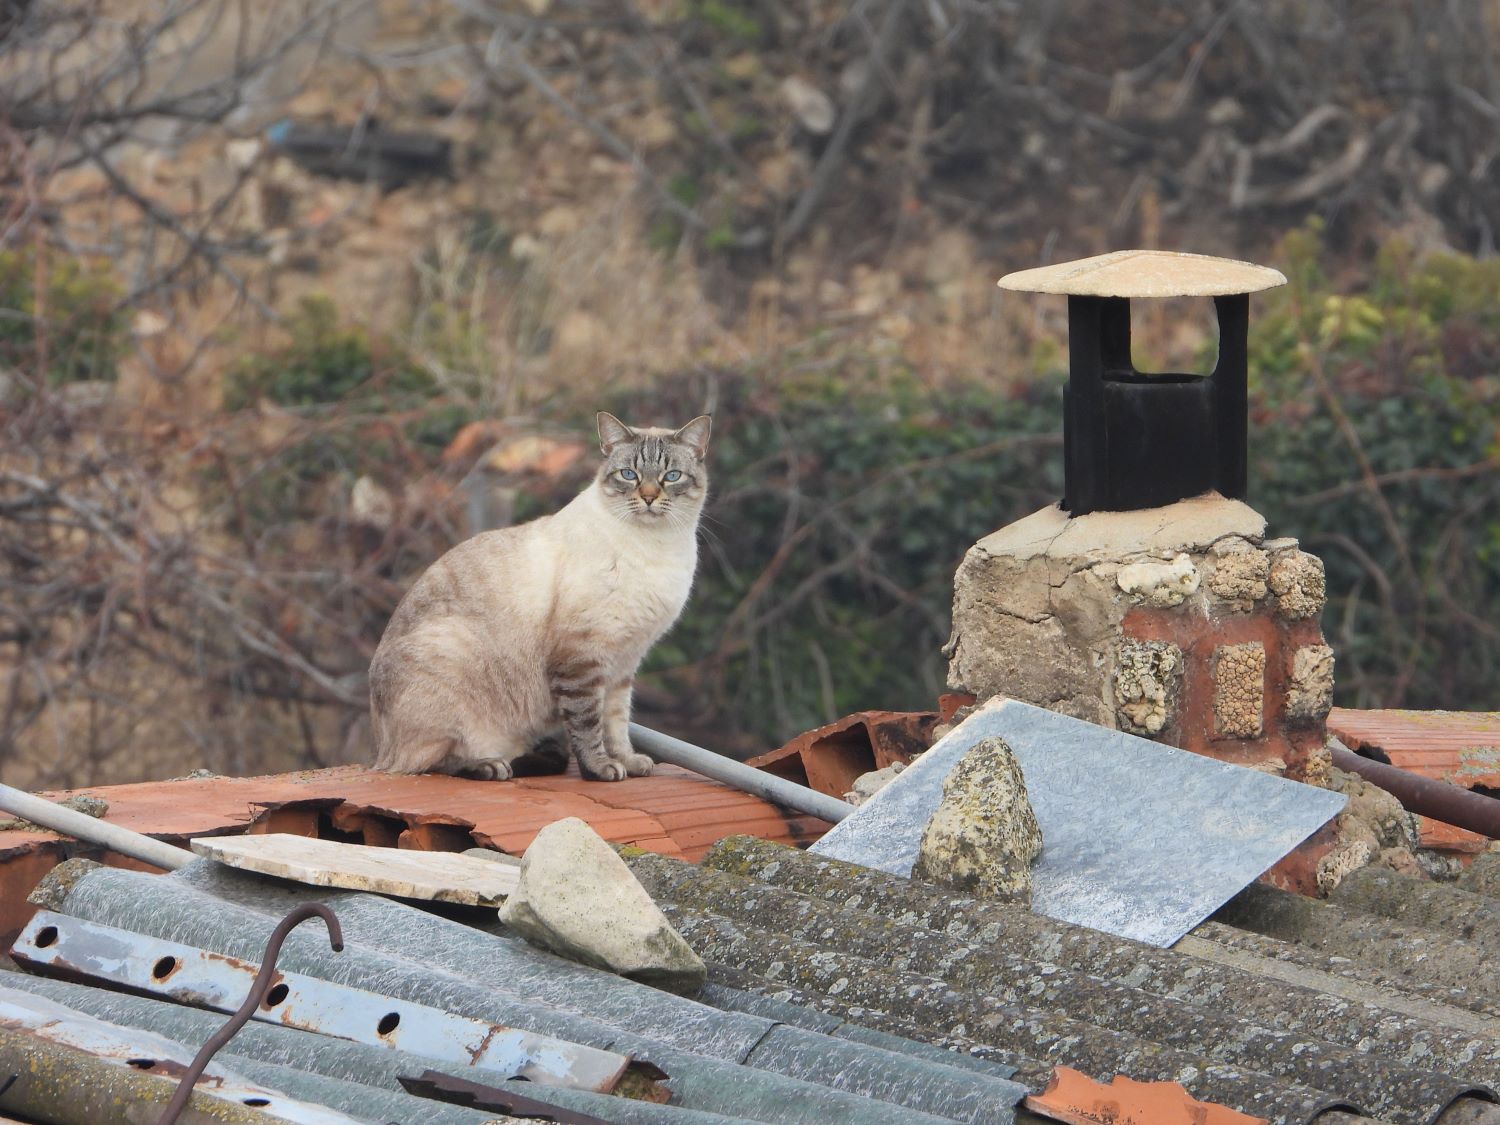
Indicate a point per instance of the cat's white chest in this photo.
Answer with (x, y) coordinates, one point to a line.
(625, 594)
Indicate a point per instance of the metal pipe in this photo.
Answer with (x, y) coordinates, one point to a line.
(777, 790)
(1440, 800)
(91, 830)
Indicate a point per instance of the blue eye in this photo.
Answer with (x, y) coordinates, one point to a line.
(627, 474)
(675, 474)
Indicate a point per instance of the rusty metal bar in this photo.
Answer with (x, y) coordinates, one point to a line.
(253, 999)
(1425, 796)
(56, 944)
(777, 790)
(92, 830)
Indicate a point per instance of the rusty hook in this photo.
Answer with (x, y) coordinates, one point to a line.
(258, 989)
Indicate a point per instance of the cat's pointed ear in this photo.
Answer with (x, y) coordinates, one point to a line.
(695, 435)
(612, 431)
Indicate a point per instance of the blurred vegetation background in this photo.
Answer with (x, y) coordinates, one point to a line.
(294, 298)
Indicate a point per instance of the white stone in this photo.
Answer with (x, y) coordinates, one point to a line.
(813, 108)
(866, 785)
(1158, 583)
(578, 899)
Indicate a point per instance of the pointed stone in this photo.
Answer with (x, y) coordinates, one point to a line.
(983, 838)
(577, 899)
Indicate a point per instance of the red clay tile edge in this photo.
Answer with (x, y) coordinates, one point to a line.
(1076, 1099)
(673, 811)
(830, 758)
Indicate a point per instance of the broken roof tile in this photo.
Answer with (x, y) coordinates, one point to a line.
(1076, 1099)
(830, 758)
(673, 811)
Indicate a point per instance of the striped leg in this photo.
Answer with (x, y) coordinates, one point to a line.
(578, 693)
(617, 731)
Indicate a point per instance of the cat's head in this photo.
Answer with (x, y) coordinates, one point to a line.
(653, 474)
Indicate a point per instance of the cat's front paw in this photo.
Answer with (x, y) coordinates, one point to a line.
(608, 770)
(637, 765)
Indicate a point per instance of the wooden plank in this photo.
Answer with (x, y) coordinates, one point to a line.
(438, 876)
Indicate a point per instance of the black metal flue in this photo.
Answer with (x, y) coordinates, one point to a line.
(1143, 440)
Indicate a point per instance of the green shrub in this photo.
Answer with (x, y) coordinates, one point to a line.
(844, 504)
(1374, 440)
(364, 399)
(82, 330)
(325, 363)
(728, 20)
(845, 496)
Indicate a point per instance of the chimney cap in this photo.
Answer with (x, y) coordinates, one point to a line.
(1146, 273)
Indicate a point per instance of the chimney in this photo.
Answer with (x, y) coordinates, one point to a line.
(1149, 599)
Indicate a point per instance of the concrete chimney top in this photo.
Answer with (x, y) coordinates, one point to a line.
(1146, 273)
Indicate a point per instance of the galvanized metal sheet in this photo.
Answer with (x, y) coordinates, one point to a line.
(152, 1054)
(1139, 839)
(59, 944)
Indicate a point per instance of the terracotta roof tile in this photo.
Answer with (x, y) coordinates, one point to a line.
(673, 812)
(1077, 1099)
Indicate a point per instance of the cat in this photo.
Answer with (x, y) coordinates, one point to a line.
(520, 646)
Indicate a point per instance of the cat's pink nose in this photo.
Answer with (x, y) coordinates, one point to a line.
(649, 493)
